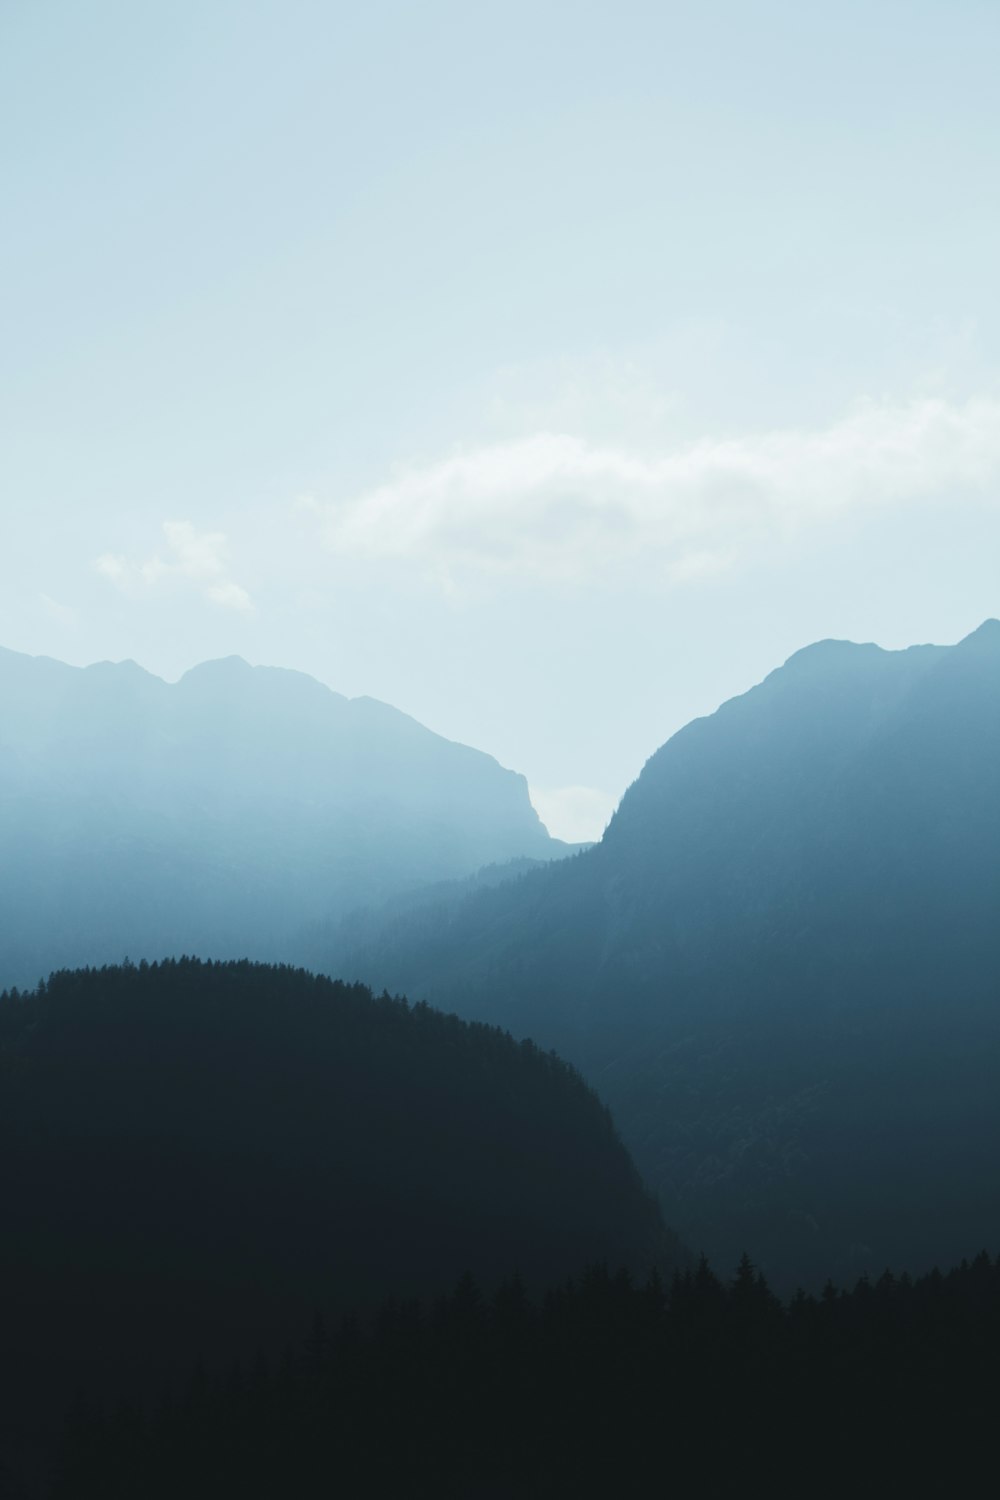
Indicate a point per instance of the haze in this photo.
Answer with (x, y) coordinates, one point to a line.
(549, 373)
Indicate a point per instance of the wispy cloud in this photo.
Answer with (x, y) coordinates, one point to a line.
(200, 559)
(556, 506)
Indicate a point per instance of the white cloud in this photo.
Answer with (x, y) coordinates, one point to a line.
(578, 814)
(556, 506)
(192, 557)
(113, 566)
(229, 594)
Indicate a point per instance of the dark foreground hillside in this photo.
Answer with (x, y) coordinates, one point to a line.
(780, 967)
(606, 1389)
(196, 1157)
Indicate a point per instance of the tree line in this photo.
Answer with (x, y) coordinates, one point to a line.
(605, 1386)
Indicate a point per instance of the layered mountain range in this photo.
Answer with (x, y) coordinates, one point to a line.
(781, 965)
(220, 814)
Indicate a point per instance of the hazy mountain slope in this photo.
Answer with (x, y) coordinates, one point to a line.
(431, 906)
(197, 1157)
(220, 814)
(782, 964)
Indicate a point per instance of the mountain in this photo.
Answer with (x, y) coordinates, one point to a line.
(781, 965)
(197, 1157)
(222, 813)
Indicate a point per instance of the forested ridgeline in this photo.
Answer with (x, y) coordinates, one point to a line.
(607, 1387)
(194, 1156)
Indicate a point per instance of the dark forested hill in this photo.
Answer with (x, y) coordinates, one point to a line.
(198, 1156)
(781, 966)
(219, 814)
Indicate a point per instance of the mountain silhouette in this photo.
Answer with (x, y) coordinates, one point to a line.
(780, 966)
(218, 814)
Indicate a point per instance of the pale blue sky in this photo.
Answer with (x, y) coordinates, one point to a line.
(551, 371)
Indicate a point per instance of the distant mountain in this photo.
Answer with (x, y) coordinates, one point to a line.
(781, 966)
(220, 814)
(198, 1157)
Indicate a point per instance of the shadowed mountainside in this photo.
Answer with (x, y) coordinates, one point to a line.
(781, 966)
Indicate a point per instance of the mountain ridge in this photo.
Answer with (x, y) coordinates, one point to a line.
(793, 911)
(222, 813)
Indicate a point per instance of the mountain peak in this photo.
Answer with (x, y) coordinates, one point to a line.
(126, 668)
(220, 666)
(831, 652)
(986, 636)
